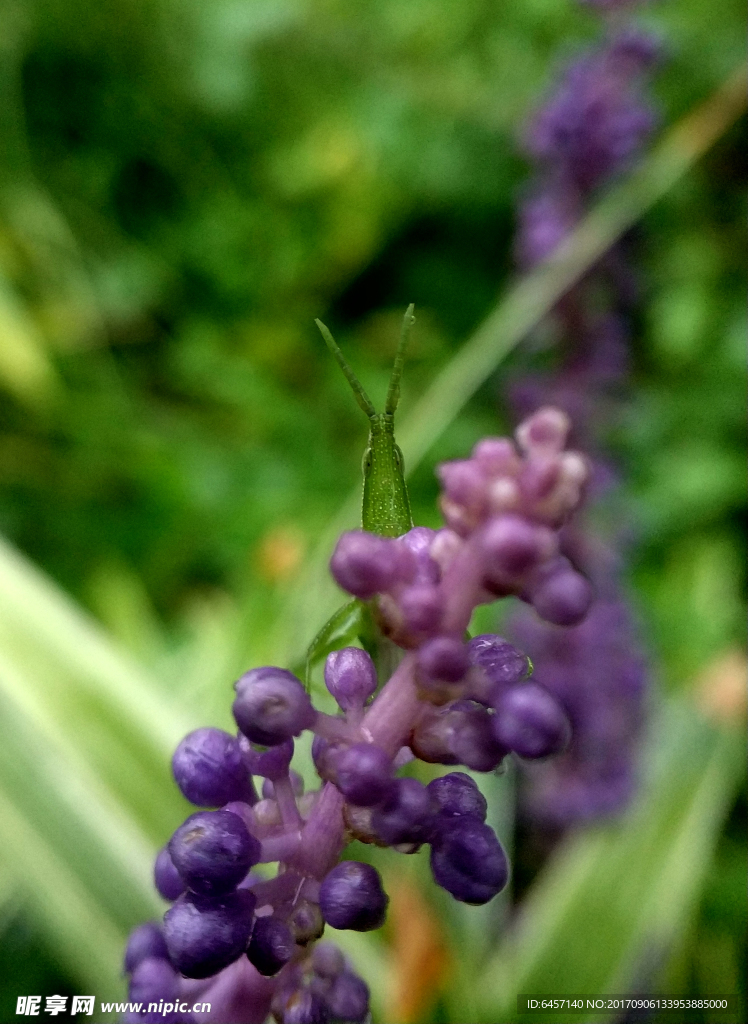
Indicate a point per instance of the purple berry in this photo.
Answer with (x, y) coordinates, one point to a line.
(145, 942)
(443, 659)
(209, 769)
(468, 860)
(530, 721)
(204, 934)
(351, 896)
(350, 677)
(167, 879)
(271, 946)
(213, 851)
(348, 999)
(503, 664)
(152, 979)
(407, 814)
(271, 706)
(363, 774)
(365, 564)
(456, 795)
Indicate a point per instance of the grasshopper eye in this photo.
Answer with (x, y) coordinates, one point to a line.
(366, 462)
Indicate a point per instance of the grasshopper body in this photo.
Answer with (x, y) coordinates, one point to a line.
(385, 507)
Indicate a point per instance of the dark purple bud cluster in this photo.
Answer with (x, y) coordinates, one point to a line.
(250, 941)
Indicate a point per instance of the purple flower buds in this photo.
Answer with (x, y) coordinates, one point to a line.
(167, 879)
(457, 795)
(271, 706)
(351, 896)
(350, 677)
(152, 979)
(502, 664)
(348, 999)
(407, 814)
(271, 945)
(563, 596)
(530, 721)
(146, 941)
(365, 564)
(204, 934)
(363, 774)
(468, 860)
(209, 769)
(443, 659)
(213, 851)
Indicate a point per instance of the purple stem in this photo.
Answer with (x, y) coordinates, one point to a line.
(280, 847)
(335, 729)
(286, 800)
(322, 839)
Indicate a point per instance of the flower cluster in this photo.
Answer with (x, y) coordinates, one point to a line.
(589, 130)
(248, 944)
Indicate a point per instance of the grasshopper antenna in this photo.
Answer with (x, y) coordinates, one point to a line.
(356, 386)
(393, 391)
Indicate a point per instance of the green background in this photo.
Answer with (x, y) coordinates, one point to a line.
(184, 186)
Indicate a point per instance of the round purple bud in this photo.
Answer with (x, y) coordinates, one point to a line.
(271, 706)
(306, 922)
(503, 664)
(365, 564)
(145, 942)
(271, 946)
(563, 598)
(422, 606)
(152, 979)
(327, 960)
(204, 934)
(348, 999)
(213, 851)
(419, 541)
(363, 774)
(468, 860)
(351, 896)
(407, 814)
(473, 741)
(513, 545)
(457, 796)
(443, 659)
(350, 677)
(271, 763)
(209, 769)
(167, 879)
(530, 721)
(302, 1006)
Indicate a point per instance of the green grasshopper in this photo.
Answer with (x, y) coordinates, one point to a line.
(385, 507)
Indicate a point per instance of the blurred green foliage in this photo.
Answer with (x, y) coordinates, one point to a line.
(183, 188)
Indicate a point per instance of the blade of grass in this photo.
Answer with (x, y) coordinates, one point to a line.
(527, 301)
